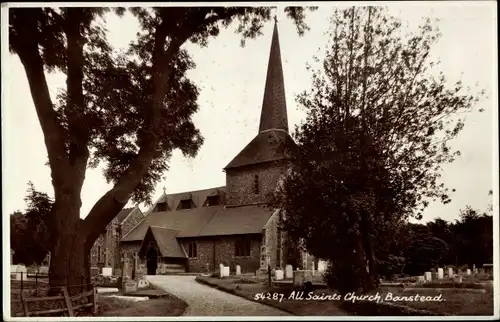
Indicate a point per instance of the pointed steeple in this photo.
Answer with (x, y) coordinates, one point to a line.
(273, 115)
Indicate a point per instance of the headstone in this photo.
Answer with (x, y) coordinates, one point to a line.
(279, 274)
(476, 270)
(226, 271)
(450, 272)
(468, 271)
(457, 279)
(45, 270)
(312, 268)
(300, 277)
(18, 272)
(421, 279)
(130, 286)
(440, 274)
(289, 271)
(238, 270)
(142, 283)
(221, 270)
(321, 266)
(428, 276)
(107, 271)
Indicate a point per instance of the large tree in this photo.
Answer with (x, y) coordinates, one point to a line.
(377, 132)
(127, 111)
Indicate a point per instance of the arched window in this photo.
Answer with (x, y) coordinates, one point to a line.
(256, 184)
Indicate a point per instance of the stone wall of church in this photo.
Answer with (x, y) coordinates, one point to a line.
(240, 183)
(224, 248)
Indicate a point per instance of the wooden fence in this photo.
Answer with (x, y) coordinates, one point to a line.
(70, 304)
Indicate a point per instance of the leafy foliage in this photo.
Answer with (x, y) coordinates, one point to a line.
(126, 111)
(30, 237)
(371, 148)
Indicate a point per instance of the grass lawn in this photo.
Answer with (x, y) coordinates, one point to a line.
(246, 289)
(164, 306)
(454, 303)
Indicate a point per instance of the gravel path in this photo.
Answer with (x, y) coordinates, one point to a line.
(206, 301)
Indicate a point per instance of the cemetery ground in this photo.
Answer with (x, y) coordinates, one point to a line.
(468, 298)
(160, 303)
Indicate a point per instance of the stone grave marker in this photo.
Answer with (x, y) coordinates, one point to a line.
(312, 268)
(279, 274)
(428, 276)
(321, 266)
(221, 270)
(468, 271)
(300, 277)
(107, 271)
(142, 283)
(440, 274)
(130, 286)
(450, 272)
(238, 270)
(226, 271)
(457, 279)
(421, 279)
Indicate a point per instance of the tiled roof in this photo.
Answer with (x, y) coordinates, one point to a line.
(167, 242)
(271, 145)
(123, 214)
(189, 221)
(198, 197)
(237, 220)
(205, 221)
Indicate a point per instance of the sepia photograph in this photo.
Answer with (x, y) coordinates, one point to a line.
(272, 160)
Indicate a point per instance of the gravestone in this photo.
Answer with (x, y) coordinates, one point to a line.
(226, 271)
(428, 276)
(18, 272)
(221, 270)
(457, 279)
(321, 266)
(468, 271)
(312, 268)
(421, 279)
(45, 270)
(300, 277)
(289, 271)
(238, 270)
(279, 274)
(130, 286)
(440, 274)
(142, 283)
(107, 271)
(450, 272)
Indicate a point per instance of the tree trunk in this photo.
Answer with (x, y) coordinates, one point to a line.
(69, 264)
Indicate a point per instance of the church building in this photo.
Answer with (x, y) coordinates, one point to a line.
(198, 230)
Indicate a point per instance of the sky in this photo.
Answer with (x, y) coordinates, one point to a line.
(231, 80)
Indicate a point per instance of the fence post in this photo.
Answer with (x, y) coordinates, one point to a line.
(94, 288)
(25, 305)
(22, 273)
(67, 300)
(36, 283)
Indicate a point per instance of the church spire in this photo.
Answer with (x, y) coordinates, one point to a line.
(273, 115)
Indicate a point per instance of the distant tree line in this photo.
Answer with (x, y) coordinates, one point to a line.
(420, 247)
(29, 234)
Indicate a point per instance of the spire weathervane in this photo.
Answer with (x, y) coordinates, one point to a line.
(275, 19)
(164, 190)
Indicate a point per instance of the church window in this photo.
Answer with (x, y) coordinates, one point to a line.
(212, 201)
(161, 206)
(242, 247)
(256, 184)
(192, 250)
(185, 204)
